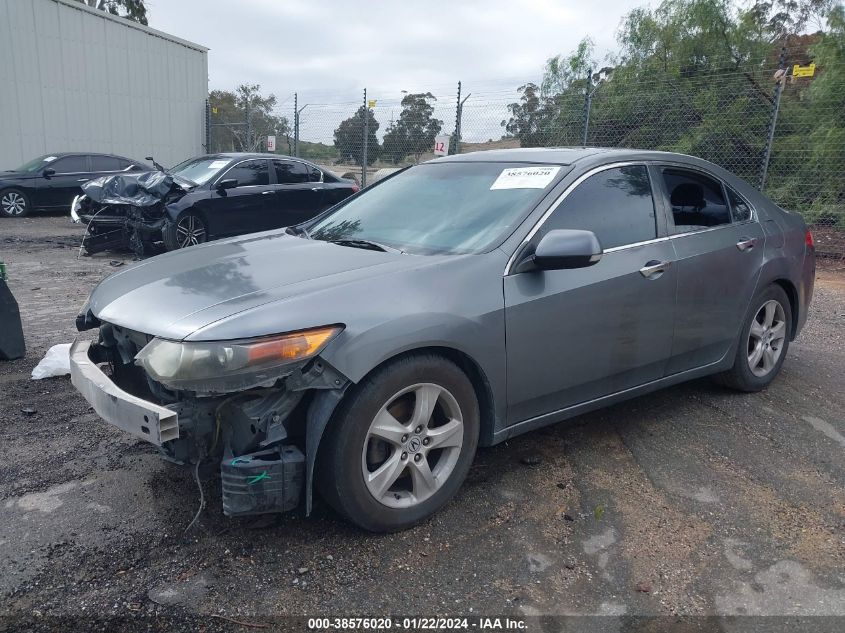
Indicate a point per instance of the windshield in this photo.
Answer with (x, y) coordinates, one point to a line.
(37, 163)
(440, 207)
(199, 170)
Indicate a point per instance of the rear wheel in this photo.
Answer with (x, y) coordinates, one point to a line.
(401, 444)
(189, 229)
(13, 203)
(763, 342)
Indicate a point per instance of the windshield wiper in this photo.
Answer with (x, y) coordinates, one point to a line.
(367, 244)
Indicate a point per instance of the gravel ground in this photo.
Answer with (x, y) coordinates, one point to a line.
(694, 501)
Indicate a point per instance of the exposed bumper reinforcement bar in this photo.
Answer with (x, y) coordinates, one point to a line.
(143, 419)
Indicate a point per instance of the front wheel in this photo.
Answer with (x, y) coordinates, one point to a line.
(763, 342)
(13, 203)
(401, 443)
(189, 229)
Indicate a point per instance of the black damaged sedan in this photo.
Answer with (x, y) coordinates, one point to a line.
(204, 198)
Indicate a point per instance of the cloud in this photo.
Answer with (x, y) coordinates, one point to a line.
(329, 51)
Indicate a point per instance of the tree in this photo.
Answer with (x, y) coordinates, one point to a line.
(130, 9)
(349, 137)
(242, 120)
(414, 131)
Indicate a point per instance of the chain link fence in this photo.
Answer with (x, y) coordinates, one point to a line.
(778, 130)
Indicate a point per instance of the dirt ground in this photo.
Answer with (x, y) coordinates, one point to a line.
(694, 501)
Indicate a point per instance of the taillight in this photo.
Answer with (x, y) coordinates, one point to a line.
(808, 240)
(356, 189)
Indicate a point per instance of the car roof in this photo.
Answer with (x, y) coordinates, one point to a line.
(562, 155)
(234, 155)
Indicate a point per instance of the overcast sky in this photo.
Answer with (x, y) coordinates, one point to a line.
(328, 50)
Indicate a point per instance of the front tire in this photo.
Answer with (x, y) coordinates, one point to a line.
(401, 443)
(14, 203)
(189, 229)
(763, 342)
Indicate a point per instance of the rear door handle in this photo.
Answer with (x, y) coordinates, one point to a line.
(652, 268)
(266, 193)
(746, 243)
(82, 179)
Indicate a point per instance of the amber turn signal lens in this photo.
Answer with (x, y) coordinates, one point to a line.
(292, 346)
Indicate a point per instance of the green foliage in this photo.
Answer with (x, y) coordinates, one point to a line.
(130, 9)
(697, 76)
(349, 137)
(230, 131)
(414, 131)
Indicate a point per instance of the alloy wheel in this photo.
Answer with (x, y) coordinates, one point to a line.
(13, 203)
(190, 231)
(766, 338)
(413, 445)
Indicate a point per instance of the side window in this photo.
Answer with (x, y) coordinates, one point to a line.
(290, 172)
(105, 163)
(697, 200)
(615, 204)
(740, 209)
(250, 173)
(70, 165)
(315, 175)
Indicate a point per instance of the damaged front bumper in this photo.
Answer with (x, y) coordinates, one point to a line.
(142, 419)
(265, 438)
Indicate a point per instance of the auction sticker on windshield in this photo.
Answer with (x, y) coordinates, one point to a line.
(525, 177)
(217, 164)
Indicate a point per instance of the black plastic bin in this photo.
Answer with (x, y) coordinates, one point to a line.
(265, 481)
(11, 334)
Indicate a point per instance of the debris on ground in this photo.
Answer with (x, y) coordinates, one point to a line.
(531, 460)
(56, 362)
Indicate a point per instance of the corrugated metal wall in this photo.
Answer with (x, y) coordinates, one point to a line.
(77, 79)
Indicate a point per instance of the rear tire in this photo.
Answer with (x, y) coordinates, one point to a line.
(14, 203)
(763, 342)
(189, 229)
(400, 444)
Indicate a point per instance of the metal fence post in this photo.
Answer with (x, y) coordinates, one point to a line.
(767, 152)
(207, 126)
(459, 115)
(295, 125)
(588, 101)
(457, 144)
(248, 140)
(366, 134)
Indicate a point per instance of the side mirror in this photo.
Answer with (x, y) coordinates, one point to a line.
(49, 172)
(228, 183)
(563, 249)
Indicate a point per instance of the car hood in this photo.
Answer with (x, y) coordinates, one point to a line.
(181, 293)
(16, 175)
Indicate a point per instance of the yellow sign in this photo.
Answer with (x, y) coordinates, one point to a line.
(371, 103)
(214, 110)
(804, 71)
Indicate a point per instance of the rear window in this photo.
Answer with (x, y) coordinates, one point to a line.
(697, 200)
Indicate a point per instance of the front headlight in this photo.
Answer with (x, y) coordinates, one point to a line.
(224, 366)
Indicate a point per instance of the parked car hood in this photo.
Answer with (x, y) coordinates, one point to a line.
(186, 292)
(18, 175)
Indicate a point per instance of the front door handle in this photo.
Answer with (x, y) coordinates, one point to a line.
(746, 243)
(266, 193)
(652, 269)
(82, 179)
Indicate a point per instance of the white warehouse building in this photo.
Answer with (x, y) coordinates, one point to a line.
(78, 79)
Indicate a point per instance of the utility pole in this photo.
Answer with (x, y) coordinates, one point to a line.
(295, 125)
